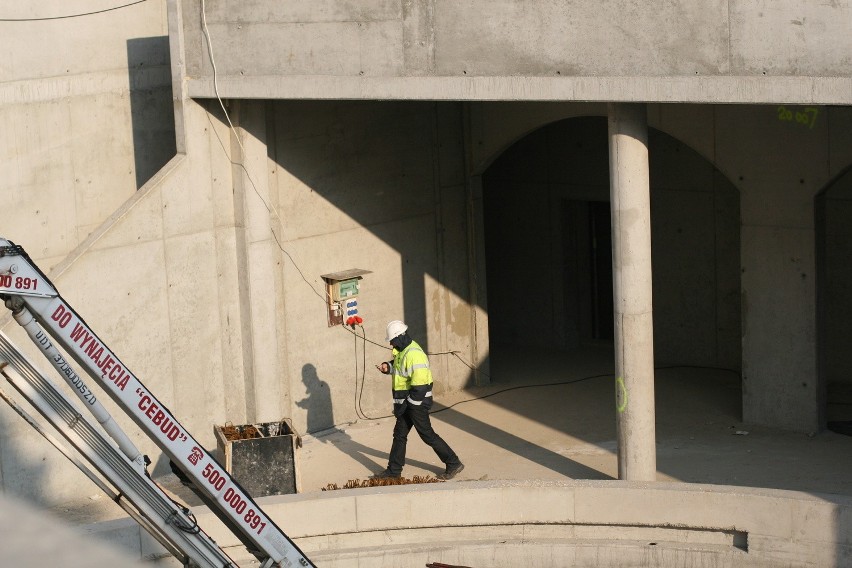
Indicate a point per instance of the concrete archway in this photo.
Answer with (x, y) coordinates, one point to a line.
(546, 219)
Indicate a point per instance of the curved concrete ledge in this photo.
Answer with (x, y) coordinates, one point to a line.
(550, 524)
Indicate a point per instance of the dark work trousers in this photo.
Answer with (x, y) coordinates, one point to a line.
(417, 416)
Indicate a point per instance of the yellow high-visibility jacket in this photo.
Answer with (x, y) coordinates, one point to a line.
(412, 379)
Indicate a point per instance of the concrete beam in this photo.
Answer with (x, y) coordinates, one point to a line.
(701, 89)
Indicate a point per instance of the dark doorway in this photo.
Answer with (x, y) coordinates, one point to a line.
(587, 269)
(601, 250)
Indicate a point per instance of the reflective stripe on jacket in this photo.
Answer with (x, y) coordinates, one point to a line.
(412, 379)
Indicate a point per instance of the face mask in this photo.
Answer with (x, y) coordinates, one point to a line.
(400, 342)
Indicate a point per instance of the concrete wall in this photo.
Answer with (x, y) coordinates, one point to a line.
(82, 100)
(717, 51)
(86, 115)
(135, 281)
(581, 523)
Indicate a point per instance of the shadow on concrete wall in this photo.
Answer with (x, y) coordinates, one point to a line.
(151, 106)
(375, 162)
(317, 403)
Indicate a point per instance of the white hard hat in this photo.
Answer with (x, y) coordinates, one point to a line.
(395, 328)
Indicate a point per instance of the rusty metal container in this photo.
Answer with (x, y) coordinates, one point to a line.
(262, 457)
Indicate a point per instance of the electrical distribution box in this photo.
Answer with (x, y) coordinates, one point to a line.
(342, 289)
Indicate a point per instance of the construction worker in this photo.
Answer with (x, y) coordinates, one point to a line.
(412, 399)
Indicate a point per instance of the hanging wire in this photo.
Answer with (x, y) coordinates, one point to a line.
(71, 15)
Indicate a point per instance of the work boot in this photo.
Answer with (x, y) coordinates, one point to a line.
(386, 474)
(451, 471)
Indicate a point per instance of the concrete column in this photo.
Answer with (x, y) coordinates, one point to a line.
(631, 268)
(480, 346)
(265, 390)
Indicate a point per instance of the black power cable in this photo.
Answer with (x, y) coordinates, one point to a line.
(362, 415)
(71, 15)
(360, 393)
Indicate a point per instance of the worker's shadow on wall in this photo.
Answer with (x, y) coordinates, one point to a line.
(318, 401)
(320, 422)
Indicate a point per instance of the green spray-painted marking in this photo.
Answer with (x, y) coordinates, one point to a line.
(620, 393)
(806, 116)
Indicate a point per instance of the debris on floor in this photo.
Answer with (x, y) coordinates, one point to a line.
(356, 483)
(245, 432)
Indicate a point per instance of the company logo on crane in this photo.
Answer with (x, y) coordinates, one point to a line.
(110, 368)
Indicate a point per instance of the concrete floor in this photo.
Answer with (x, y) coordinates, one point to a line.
(517, 430)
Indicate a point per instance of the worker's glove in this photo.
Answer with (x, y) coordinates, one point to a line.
(385, 367)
